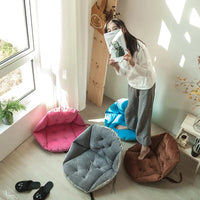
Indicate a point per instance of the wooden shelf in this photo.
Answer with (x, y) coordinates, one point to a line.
(187, 127)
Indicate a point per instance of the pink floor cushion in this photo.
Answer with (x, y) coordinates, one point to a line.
(58, 128)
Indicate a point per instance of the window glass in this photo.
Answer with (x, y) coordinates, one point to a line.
(17, 55)
(13, 28)
(18, 83)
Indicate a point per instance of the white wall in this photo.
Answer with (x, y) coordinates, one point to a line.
(144, 19)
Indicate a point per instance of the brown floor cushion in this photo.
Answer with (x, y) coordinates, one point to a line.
(163, 157)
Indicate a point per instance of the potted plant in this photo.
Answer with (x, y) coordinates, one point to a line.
(7, 108)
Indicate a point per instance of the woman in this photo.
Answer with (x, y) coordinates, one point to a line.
(141, 78)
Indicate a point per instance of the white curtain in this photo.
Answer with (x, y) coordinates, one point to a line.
(63, 38)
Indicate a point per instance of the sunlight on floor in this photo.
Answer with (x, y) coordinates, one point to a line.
(96, 120)
(176, 8)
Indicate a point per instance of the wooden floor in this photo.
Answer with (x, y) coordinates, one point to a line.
(30, 161)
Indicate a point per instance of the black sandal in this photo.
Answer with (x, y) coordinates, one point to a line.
(43, 191)
(27, 185)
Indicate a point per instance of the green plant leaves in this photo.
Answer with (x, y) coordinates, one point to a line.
(6, 109)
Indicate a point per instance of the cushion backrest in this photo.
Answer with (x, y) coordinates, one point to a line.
(104, 143)
(59, 116)
(115, 115)
(167, 154)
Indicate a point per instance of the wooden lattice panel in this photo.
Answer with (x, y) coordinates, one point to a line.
(98, 66)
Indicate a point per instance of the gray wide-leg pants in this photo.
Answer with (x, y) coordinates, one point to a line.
(138, 113)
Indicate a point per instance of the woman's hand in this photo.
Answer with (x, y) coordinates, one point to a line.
(129, 58)
(113, 63)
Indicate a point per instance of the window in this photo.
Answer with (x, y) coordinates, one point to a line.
(17, 50)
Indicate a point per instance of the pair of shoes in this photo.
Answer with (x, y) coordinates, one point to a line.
(28, 185)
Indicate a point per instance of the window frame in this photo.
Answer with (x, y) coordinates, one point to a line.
(31, 53)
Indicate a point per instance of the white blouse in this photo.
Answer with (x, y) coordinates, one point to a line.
(142, 76)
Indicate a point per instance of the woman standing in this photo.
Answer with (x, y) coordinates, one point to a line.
(141, 78)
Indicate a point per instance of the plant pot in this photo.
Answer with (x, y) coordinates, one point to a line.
(194, 153)
(8, 119)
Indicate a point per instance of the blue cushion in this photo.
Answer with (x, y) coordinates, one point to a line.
(114, 116)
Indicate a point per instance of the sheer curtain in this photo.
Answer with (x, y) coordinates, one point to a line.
(63, 37)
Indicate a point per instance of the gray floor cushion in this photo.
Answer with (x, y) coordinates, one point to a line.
(93, 159)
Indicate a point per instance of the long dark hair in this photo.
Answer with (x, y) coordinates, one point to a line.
(131, 41)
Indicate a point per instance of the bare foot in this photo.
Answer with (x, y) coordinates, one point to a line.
(143, 153)
(121, 127)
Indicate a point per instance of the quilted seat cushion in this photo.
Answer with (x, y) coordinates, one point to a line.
(163, 157)
(58, 128)
(93, 159)
(114, 116)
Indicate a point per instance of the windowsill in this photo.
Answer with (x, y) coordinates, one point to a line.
(24, 122)
(31, 102)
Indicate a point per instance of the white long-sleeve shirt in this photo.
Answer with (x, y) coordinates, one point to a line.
(142, 75)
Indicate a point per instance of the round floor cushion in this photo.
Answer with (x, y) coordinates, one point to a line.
(93, 159)
(163, 157)
(114, 116)
(58, 128)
